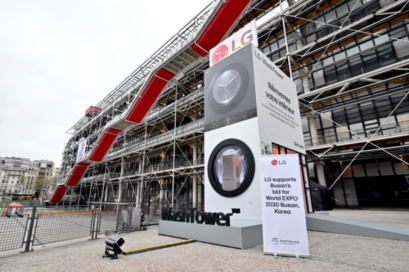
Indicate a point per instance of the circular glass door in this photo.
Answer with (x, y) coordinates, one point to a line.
(231, 168)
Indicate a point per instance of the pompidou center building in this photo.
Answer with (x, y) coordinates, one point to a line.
(144, 142)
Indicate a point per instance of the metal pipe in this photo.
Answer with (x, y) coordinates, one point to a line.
(174, 145)
(143, 163)
(342, 83)
(286, 42)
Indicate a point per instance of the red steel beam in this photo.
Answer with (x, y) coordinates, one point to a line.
(149, 96)
(218, 27)
(76, 175)
(58, 194)
(104, 144)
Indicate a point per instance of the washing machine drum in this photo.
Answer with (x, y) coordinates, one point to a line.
(228, 87)
(231, 168)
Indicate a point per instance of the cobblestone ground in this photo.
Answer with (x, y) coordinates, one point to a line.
(395, 218)
(330, 252)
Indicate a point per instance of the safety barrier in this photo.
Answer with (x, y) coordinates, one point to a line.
(32, 227)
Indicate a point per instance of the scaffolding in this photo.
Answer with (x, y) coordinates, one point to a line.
(163, 152)
(339, 53)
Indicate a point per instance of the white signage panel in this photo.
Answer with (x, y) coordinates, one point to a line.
(81, 149)
(243, 37)
(277, 105)
(282, 206)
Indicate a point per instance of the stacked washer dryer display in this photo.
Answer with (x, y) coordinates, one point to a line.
(235, 135)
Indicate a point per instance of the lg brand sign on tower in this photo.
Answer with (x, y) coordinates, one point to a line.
(241, 38)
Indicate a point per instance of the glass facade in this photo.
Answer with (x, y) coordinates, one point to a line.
(371, 183)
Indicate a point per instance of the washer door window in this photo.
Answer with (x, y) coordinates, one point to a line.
(231, 168)
(228, 87)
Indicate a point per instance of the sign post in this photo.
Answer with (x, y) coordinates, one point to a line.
(283, 211)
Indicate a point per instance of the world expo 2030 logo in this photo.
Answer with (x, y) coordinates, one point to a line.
(274, 241)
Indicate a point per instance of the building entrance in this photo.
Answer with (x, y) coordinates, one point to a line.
(372, 183)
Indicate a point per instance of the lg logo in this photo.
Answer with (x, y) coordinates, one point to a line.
(275, 162)
(223, 50)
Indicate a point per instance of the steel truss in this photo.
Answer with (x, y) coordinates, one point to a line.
(318, 30)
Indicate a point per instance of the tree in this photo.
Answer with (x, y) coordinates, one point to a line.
(42, 185)
(39, 183)
(21, 183)
(23, 178)
(53, 181)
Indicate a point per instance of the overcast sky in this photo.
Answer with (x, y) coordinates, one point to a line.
(57, 58)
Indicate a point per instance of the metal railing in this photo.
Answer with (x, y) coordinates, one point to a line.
(167, 136)
(39, 226)
(386, 130)
(165, 165)
(96, 178)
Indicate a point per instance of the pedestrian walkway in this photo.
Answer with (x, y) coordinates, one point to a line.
(390, 217)
(330, 252)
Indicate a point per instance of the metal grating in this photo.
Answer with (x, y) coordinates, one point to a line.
(108, 220)
(12, 231)
(61, 225)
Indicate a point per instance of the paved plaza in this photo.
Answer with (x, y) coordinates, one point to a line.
(390, 217)
(329, 252)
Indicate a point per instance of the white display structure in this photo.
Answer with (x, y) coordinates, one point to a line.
(282, 205)
(247, 99)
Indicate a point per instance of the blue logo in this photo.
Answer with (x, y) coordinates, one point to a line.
(275, 241)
